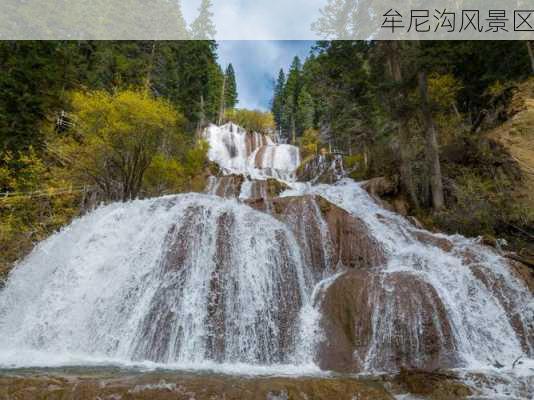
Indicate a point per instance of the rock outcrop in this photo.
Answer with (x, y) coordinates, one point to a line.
(386, 192)
(228, 186)
(234, 186)
(226, 290)
(166, 385)
(373, 318)
(384, 322)
(330, 237)
(265, 189)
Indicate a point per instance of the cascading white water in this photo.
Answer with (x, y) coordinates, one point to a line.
(193, 279)
(184, 279)
(483, 328)
(250, 153)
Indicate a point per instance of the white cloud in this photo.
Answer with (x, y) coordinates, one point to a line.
(260, 19)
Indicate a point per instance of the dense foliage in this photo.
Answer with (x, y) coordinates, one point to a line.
(118, 138)
(37, 77)
(252, 120)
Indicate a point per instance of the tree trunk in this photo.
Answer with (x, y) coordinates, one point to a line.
(293, 130)
(223, 95)
(405, 163)
(530, 54)
(366, 156)
(395, 70)
(201, 120)
(432, 150)
(150, 67)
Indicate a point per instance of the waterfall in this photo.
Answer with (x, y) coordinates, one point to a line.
(179, 279)
(319, 276)
(488, 309)
(250, 153)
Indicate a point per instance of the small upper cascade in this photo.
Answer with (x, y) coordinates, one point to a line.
(251, 154)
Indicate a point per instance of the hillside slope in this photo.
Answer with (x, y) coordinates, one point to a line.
(517, 137)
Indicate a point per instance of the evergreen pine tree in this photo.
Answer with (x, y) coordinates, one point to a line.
(203, 27)
(288, 119)
(293, 84)
(278, 99)
(31, 86)
(291, 95)
(305, 111)
(230, 88)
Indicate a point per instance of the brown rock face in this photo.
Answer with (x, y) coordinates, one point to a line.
(329, 236)
(384, 322)
(346, 324)
(266, 189)
(380, 186)
(258, 161)
(370, 319)
(354, 245)
(524, 272)
(216, 309)
(434, 386)
(228, 186)
(159, 322)
(385, 192)
(428, 238)
(75, 384)
(254, 141)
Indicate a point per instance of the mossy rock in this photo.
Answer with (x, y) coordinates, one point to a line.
(213, 168)
(432, 385)
(275, 187)
(324, 205)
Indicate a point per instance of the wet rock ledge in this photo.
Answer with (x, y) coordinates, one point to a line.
(118, 385)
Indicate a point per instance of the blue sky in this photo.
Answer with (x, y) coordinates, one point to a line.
(256, 65)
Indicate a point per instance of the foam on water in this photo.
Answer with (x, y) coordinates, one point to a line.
(17, 358)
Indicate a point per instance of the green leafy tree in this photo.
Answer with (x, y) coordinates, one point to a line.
(187, 74)
(309, 143)
(252, 120)
(340, 85)
(119, 136)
